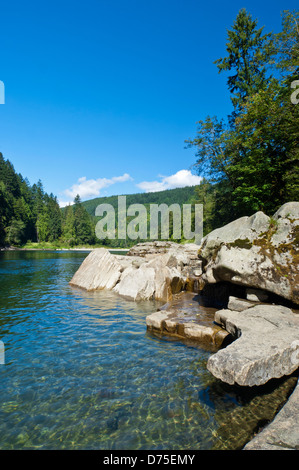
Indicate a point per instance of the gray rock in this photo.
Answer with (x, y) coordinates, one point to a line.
(156, 319)
(137, 284)
(239, 304)
(154, 279)
(267, 345)
(283, 432)
(257, 252)
(152, 275)
(289, 210)
(184, 318)
(256, 295)
(149, 249)
(244, 230)
(99, 270)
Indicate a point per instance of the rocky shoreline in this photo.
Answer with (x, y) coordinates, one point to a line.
(236, 294)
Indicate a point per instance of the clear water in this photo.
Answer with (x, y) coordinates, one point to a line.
(81, 372)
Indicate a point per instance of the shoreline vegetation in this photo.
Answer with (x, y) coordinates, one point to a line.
(54, 247)
(48, 246)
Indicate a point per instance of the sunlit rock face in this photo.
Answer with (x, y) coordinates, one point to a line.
(257, 251)
(154, 270)
(266, 345)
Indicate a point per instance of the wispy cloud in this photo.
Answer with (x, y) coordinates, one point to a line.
(180, 179)
(88, 189)
(91, 188)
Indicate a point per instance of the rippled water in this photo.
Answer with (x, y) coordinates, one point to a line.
(81, 372)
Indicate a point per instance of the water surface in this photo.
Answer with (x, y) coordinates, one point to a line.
(81, 372)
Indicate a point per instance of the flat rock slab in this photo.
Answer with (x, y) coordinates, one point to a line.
(283, 432)
(185, 318)
(266, 345)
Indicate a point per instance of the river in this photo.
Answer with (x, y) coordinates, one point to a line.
(81, 371)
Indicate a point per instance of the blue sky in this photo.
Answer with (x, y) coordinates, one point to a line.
(100, 95)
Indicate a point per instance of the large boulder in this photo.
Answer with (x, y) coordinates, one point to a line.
(257, 251)
(153, 279)
(137, 283)
(266, 345)
(144, 274)
(99, 270)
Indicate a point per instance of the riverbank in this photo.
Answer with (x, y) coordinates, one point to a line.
(250, 266)
(54, 247)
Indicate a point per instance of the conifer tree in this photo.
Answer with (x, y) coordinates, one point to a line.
(68, 226)
(254, 158)
(248, 55)
(82, 223)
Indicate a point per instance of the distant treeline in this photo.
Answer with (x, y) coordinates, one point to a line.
(169, 196)
(180, 196)
(29, 214)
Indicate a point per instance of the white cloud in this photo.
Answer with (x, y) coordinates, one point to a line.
(180, 179)
(64, 203)
(88, 189)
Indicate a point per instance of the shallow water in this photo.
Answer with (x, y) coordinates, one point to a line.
(81, 372)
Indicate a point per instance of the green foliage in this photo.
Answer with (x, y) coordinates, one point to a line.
(26, 213)
(253, 159)
(171, 196)
(16, 232)
(83, 228)
(285, 45)
(248, 54)
(68, 227)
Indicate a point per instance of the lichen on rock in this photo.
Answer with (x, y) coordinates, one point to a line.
(258, 251)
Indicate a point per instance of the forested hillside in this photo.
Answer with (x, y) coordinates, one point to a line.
(29, 214)
(169, 196)
(26, 212)
(186, 195)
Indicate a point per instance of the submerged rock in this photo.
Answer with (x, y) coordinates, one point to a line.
(283, 432)
(266, 345)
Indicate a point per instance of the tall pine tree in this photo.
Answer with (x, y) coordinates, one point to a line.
(83, 227)
(248, 55)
